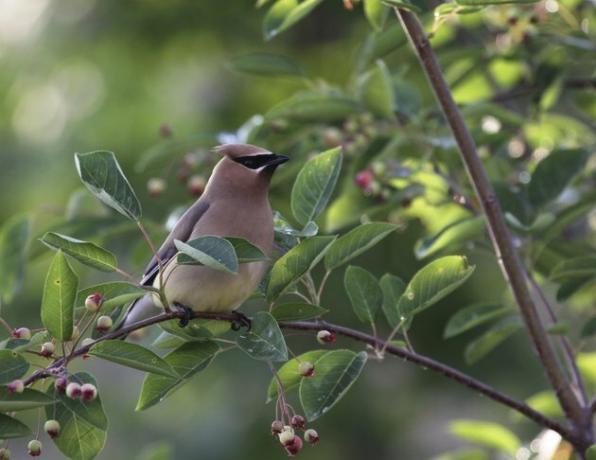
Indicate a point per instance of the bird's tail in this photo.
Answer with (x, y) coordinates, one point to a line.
(140, 309)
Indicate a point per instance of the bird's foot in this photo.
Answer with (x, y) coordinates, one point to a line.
(241, 321)
(187, 312)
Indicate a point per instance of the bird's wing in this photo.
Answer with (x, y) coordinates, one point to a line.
(181, 231)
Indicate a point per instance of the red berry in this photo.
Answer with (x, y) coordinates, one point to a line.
(88, 392)
(364, 178)
(47, 349)
(306, 369)
(311, 436)
(287, 435)
(298, 422)
(324, 337)
(294, 447)
(22, 333)
(73, 390)
(277, 427)
(93, 302)
(61, 384)
(196, 185)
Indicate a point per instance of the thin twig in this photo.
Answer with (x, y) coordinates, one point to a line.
(7, 326)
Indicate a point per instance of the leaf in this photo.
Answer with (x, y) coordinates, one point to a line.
(473, 316)
(314, 185)
(393, 288)
(12, 366)
(296, 262)
(487, 434)
(297, 311)
(364, 292)
(335, 372)
(115, 294)
(554, 173)
(28, 399)
(376, 92)
(355, 242)
(102, 175)
(574, 268)
(591, 452)
(187, 360)
(266, 65)
(166, 341)
(132, 355)
(459, 231)
(488, 341)
(84, 251)
(83, 425)
(214, 252)
(376, 13)
(13, 247)
(546, 403)
(310, 106)
(284, 14)
(434, 282)
(246, 251)
(589, 328)
(264, 340)
(464, 454)
(12, 428)
(402, 4)
(59, 295)
(289, 375)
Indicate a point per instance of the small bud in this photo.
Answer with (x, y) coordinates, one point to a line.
(364, 178)
(306, 369)
(293, 447)
(277, 427)
(287, 435)
(16, 386)
(324, 337)
(73, 390)
(47, 349)
(88, 392)
(76, 333)
(34, 448)
(93, 302)
(156, 186)
(61, 384)
(52, 428)
(4, 454)
(196, 185)
(165, 130)
(104, 323)
(298, 422)
(22, 333)
(311, 436)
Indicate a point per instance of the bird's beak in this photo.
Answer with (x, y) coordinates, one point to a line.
(276, 160)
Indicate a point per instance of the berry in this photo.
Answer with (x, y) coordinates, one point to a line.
(4, 454)
(311, 436)
(277, 427)
(196, 185)
(61, 384)
(298, 422)
(52, 428)
(287, 435)
(104, 323)
(324, 337)
(34, 448)
(47, 349)
(93, 302)
(332, 137)
(293, 447)
(156, 186)
(364, 178)
(88, 392)
(306, 369)
(16, 386)
(86, 342)
(165, 130)
(22, 333)
(73, 390)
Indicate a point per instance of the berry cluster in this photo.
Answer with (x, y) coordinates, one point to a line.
(291, 442)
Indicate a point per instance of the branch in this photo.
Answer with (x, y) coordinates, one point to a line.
(506, 255)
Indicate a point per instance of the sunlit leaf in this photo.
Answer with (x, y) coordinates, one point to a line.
(297, 311)
(12, 428)
(28, 399)
(486, 434)
(13, 246)
(473, 316)
(393, 288)
(376, 91)
(402, 4)
(375, 12)
(457, 232)
(84, 251)
(12, 366)
(212, 251)
(284, 14)
(544, 402)
(289, 375)
(492, 338)
(246, 251)
(264, 340)
(266, 65)
(364, 292)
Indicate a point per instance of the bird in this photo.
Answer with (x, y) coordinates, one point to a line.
(235, 203)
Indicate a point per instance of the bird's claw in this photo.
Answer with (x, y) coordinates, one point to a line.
(187, 312)
(241, 321)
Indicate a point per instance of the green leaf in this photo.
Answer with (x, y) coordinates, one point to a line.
(166, 341)
(132, 355)
(266, 65)
(295, 263)
(434, 282)
(28, 399)
(13, 247)
(264, 340)
(84, 251)
(212, 251)
(459, 231)
(364, 292)
(376, 13)
(473, 316)
(554, 173)
(310, 106)
(102, 175)
(12, 366)
(486, 434)
(544, 402)
(355, 242)
(492, 338)
(201, 329)
(297, 311)
(59, 295)
(464, 454)
(289, 375)
(115, 294)
(591, 452)
(376, 92)
(246, 251)
(83, 425)
(12, 428)
(314, 185)
(284, 14)
(392, 287)
(574, 268)
(187, 360)
(589, 328)
(402, 4)
(335, 372)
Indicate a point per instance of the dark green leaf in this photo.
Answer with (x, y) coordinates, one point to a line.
(309, 106)
(335, 372)
(84, 251)
(284, 14)
(12, 366)
(264, 340)
(486, 434)
(59, 295)
(376, 91)
(473, 316)
(459, 231)
(289, 375)
(246, 251)
(12, 428)
(297, 311)
(364, 292)
(578, 267)
(375, 13)
(266, 65)
(28, 399)
(115, 294)
(492, 338)
(166, 341)
(393, 288)
(589, 328)
(212, 251)
(13, 247)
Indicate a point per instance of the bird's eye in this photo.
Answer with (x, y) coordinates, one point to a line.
(254, 161)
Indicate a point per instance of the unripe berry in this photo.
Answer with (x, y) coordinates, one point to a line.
(16, 386)
(61, 384)
(34, 448)
(88, 392)
(104, 323)
(52, 428)
(196, 185)
(364, 178)
(22, 333)
(47, 349)
(311, 436)
(298, 422)
(294, 447)
(156, 186)
(324, 337)
(287, 435)
(306, 369)
(332, 137)
(277, 427)
(4, 454)
(86, 342)
(73, 390)
(93, 302)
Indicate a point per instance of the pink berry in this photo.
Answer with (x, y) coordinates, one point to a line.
(364, 178)
(73, 390)
(306, 369)
(287, 435)
(277, 427)
(88, 392)
(93, 302)
(22, 333)
(294, 447)
(311, 436)
(61, 384)
(325, 337)
(52, 428)
(196, 185)
(47, 349)
(16, 386)
(156, 186)
(298, 422)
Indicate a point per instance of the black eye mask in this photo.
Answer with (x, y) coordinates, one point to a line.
(258, 161)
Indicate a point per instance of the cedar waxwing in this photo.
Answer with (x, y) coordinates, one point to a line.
(235, 204)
